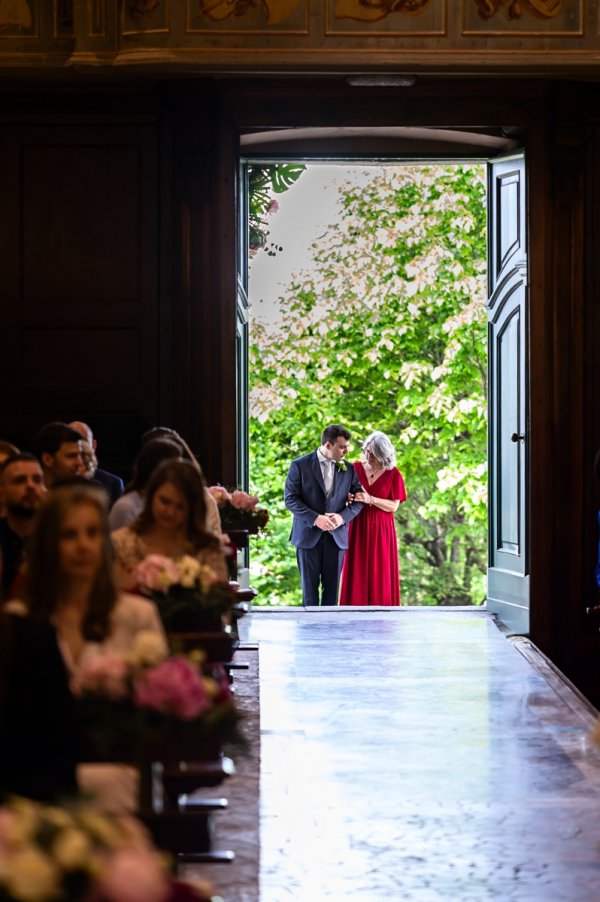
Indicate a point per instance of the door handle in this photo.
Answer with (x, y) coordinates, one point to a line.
(517, 437)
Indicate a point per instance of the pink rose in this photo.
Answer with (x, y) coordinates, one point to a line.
(243, 501)
(156, 573)
(173, 687)
(8, 820)
(133, 875)
(106, 675)
(273, 206)
(220, 494)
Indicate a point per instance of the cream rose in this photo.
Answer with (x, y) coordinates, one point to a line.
(31, 876)
(72, 850)
(189, 571)
(148, 648)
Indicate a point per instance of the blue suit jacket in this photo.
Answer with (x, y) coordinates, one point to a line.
(113, 484)
(306, 498)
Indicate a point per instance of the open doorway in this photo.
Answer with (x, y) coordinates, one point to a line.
(457, 573)
(367, 289)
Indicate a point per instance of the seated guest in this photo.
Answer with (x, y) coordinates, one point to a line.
(172, 523)
(71, 584)
(37, 721)
(7, 450)
(213, 517)
(21, 492)
(166, 432)
(113, 484)
(130, 505)
(58, 448)
(90, 461)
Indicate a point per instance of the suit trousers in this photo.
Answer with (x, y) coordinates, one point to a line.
(320, 565)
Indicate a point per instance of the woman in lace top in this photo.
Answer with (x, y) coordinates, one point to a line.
(172, 523)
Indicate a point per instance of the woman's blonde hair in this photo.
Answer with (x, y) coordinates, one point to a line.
(44, 580)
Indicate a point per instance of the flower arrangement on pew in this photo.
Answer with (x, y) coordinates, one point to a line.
(188, 594)
(239, 510)
(147, 704)
(77, 854)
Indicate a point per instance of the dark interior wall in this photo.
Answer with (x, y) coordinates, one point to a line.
(118, 248)
(110, 305)
(80, 260)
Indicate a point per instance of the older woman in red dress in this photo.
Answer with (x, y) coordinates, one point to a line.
(371, 575)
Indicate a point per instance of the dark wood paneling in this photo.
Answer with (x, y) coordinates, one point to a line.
(200, 317)
(81, 223)
(80, 300)
(99, 366)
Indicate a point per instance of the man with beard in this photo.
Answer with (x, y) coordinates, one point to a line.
(58, 449)
(112, 484)
(21, 492)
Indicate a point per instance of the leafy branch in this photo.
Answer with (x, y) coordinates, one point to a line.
(264, 180)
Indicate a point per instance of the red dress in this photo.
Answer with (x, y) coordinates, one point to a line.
(370, 574)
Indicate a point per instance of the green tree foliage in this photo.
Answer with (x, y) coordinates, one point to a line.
(387, 331)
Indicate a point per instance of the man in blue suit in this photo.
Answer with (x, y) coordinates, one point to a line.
(316, 492)
(113, 485)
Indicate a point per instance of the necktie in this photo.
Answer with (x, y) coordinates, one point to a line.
(328, 476)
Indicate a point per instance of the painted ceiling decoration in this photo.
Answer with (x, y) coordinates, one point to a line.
(264, 35)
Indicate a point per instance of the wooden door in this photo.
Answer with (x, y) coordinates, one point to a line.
(508, 570)
(241, 333)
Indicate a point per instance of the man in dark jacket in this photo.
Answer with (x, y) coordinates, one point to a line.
(317, 489)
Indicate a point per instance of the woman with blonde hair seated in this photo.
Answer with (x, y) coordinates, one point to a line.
(172, 523)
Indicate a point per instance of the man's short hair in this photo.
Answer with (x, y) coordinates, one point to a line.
(51, 436)
(8, 448)
(333, 433)
(22, 456)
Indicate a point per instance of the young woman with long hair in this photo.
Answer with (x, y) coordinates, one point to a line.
(71, 584)
(172, 523)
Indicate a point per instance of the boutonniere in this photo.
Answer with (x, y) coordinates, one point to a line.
(341, 465)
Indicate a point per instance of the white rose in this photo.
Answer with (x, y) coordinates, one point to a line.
(189, 570)
(148, 648)
(102, 829)
(25, 824)
(163, 581)
(32, 876)
(58, 817)
(211, 687)
(207, 577)
(72, 850)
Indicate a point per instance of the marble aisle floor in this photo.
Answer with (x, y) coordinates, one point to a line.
(418, 755)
